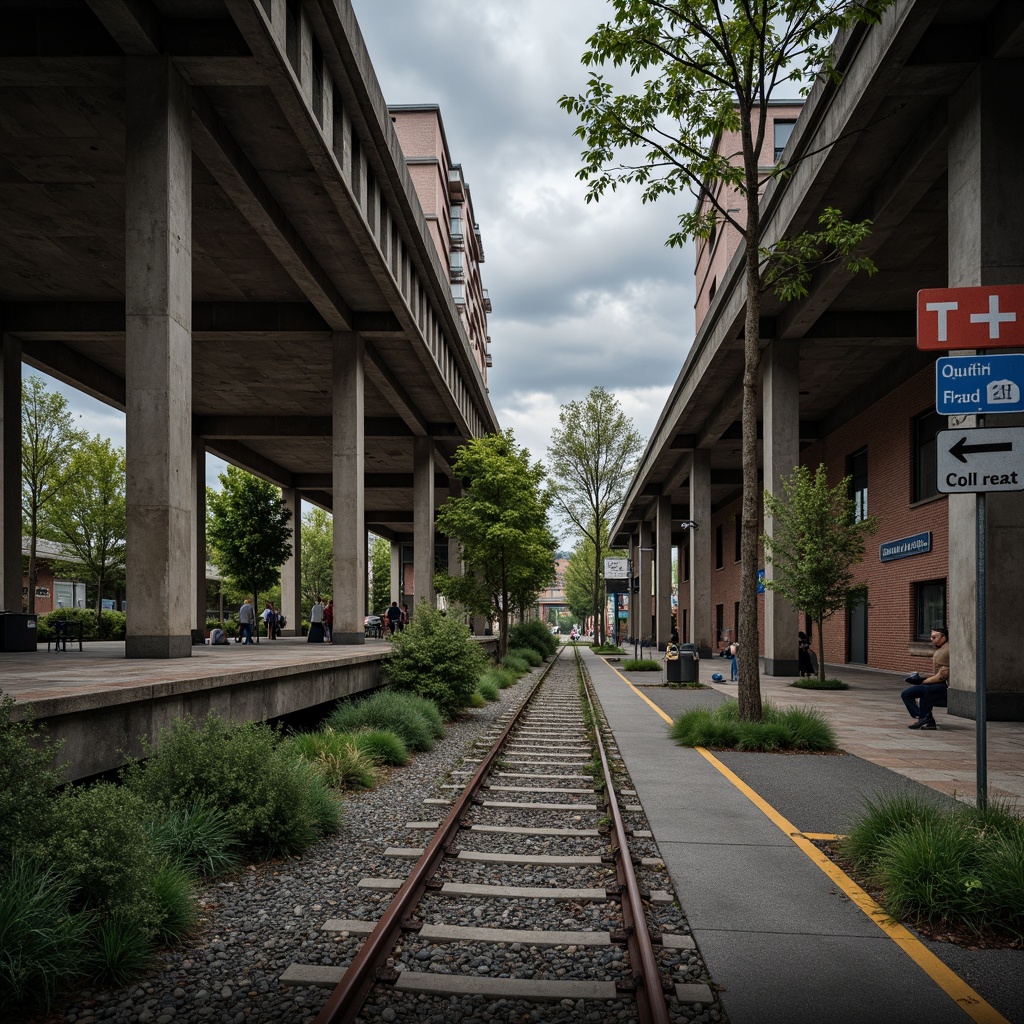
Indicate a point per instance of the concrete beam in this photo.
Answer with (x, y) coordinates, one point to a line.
(223, 158)
(76, 370)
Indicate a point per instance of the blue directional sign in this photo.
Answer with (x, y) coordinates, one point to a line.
(972, 384)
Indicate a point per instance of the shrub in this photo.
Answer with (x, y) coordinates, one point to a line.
(430, 712)
(608, 649)
(476, 700)
(401, 713)
(27, 782)
(44, 942)
(529, 655)
(100, 843)
(535, 635)
(337, 759)
(779, 729)
(814, 683)
(268, 795)
(501, 677)
(111, 625)
(197, 836)
(487, 690)
(514, 664)
(641, 665)
(1001, 866)
(435, 657)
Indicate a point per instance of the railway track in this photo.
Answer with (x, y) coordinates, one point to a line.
(539, 897)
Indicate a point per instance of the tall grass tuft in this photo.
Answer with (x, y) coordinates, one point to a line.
(487, 690)
(779, 729)
(124, 951)
(501, 678)
(527, 654)
(336, 758)
(197, 836)
(960, 866)
(401, 713)
(382, 746)
(881, 820)
(514, 664)
(43, 942)
(175, 895)
(641, 665)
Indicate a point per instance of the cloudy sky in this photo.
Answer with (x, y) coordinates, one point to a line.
(583, 294)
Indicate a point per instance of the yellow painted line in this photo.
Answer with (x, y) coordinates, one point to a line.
(822, 836)
(951, 983)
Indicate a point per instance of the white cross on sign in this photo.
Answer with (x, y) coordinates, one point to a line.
(988, 316)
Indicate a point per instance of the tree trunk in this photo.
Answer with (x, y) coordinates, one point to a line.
(749, 685)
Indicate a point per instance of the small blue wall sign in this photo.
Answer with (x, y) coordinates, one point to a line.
(905, 547)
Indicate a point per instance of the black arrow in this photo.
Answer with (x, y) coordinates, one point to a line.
(962, 448)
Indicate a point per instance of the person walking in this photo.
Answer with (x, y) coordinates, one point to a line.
(403, 619)
(926, 692)
(246, 620)
(394, 615)
(269, 620)
(316, 623)
(329, 621)
(734, 672)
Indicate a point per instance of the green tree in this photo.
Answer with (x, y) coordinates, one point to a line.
(380, 575)
(817, 541)
(593, 454)
(704, 69)
(247, 529)
(88, 516)
(501, 521)
(317, 561)
(48, 440)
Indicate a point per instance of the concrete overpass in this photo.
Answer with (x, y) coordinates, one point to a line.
(920, 137)
(208, 223)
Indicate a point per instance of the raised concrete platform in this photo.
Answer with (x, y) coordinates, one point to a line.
(102, 704)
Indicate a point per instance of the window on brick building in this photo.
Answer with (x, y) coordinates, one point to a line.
(736, 619)
(737, 524)
(720, 622)
(783, 130)
(857, 471)
(926, 426)
(719, 553)
(929, 607)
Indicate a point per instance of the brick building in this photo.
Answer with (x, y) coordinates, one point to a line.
(911, 139)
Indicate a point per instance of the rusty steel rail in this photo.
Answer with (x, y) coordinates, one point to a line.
(648, 991)
(346, 1000)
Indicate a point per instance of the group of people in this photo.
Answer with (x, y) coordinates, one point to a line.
(273, 621)
(321, 622)
(397, 617)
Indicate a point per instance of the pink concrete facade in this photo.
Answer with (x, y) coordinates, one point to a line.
(448, 208)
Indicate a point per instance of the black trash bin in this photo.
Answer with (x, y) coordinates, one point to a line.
(17, 631)
(684, 668)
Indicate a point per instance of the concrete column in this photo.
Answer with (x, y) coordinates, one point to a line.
(986, 246)
(646, 561)
(10, 475)
(158, 361)
(348, 467)
(780, 402)
(423, 520)
(291, 571)
(702, 628)
(663, 572)
(199, 531)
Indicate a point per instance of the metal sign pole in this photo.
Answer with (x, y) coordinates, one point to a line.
(980, 714)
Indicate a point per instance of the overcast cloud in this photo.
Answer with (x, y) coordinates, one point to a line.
(583, 294)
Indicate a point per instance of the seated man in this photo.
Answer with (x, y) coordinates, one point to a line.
(218, 636)
(925, 692)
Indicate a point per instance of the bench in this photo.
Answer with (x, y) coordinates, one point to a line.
(65, 630)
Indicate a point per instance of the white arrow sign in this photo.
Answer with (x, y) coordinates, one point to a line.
(976, 461)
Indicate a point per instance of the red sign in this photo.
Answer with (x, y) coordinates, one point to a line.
(988, 316)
